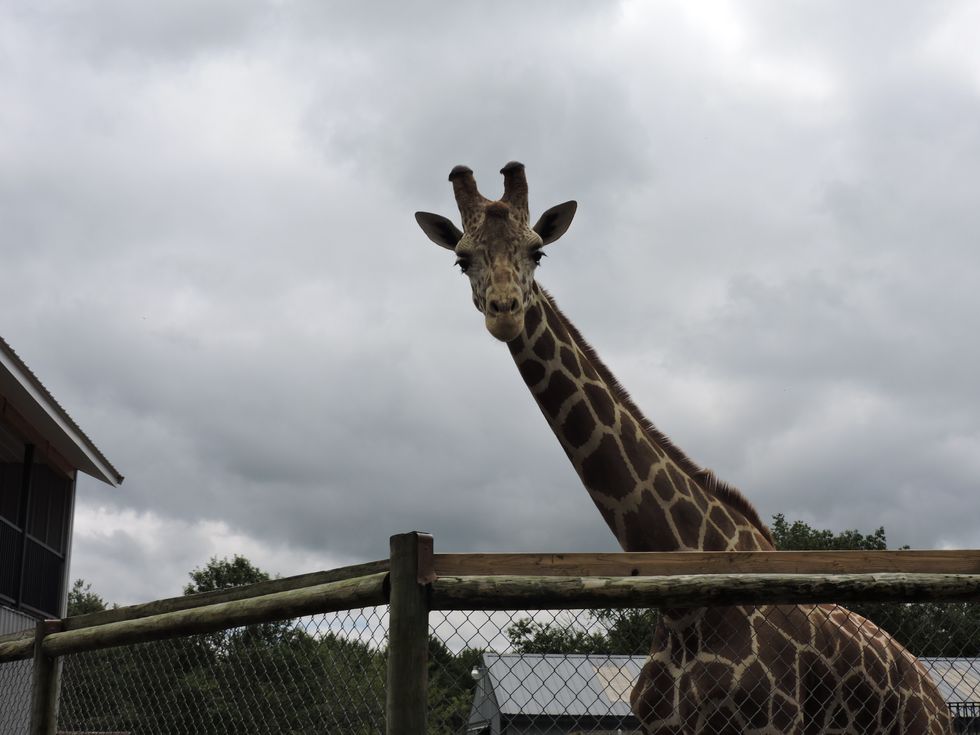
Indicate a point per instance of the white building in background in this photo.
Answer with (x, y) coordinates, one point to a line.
(562, 694)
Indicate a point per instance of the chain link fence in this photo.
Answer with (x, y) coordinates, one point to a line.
(492, 672)
(489, 672)
(323, 673)
(15, 696)
(574, 671)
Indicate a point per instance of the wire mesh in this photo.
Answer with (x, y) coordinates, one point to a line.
(773, 669)
(785, 669)
(15, 696)
(324, 673)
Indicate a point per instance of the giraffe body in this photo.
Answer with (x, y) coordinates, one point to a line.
(769, 670)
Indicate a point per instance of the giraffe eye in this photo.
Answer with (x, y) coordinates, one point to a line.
(464, 264)
(537, 255)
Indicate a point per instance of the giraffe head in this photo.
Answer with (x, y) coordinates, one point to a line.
(497, 249)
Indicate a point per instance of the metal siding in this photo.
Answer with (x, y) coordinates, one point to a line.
(550, 684)
(13, 621)
(958, 679)
(578, 685)
(484, 708)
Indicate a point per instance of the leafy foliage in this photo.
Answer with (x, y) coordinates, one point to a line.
(219, 574)
(82, 600)
(283, 677)
(798, 536)
(451, 686)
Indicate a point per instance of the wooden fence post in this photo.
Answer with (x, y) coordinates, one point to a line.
(408, 633)
(45, 683)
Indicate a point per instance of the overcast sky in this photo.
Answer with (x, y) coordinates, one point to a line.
(210, 258)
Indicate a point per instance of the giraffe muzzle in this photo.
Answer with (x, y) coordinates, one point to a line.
(504, 313)
(505, 327)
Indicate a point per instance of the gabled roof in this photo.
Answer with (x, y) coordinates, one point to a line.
(31, 400)
(557, 684)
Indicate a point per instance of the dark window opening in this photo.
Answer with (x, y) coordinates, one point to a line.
(35, 501)
(10, 488)
(47, 516)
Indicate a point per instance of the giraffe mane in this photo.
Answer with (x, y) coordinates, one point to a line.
(705, 478)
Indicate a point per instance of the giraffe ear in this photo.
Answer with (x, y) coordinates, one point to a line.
(553, 223)
(439, 229)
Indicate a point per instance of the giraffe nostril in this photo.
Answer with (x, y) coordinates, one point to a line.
(499, 307)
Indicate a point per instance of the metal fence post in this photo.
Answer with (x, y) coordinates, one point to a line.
(408, 633)
(45, 683)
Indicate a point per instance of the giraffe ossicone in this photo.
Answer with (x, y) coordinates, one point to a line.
(766, 669)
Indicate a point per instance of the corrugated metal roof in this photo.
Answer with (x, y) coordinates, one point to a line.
(958, 679)
(553, 684)
(558, 684)
(34, 401)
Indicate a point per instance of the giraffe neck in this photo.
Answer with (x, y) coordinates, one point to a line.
(650, 494)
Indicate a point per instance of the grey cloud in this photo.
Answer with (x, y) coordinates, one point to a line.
(238, 307)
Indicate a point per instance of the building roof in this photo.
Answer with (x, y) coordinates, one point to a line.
(958, 679)
(558, 684)
(25, 393)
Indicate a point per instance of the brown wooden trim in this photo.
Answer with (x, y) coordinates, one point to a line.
(643, 564)
(189, 602)
(426, 570)
(30, 435)
(504, 592)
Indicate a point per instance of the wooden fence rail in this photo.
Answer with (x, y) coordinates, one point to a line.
(415, 580)
(664, 563)
(504, 592)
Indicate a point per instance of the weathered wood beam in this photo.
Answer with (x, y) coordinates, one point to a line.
(244, 592)
(17, 650)
(659, 563)
(503, 592)
(408, 635)
(345, 594)
(44, 683)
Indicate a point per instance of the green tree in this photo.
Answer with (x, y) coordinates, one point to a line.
(219, 574)
(451, 687)
(798, 536)
(531, 636)
(277, 677)
(82, 600)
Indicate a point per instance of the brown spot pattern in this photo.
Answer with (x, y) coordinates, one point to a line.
(638, 451)
(570, 362)
(604, 471)
(532, 319)
(544, 348)
(558, 390)
(532, 371)
(663, 486)
(646, 529)
(687, 521)
(602, 404)
(579, 425)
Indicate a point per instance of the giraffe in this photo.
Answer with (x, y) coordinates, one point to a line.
(739, 669)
